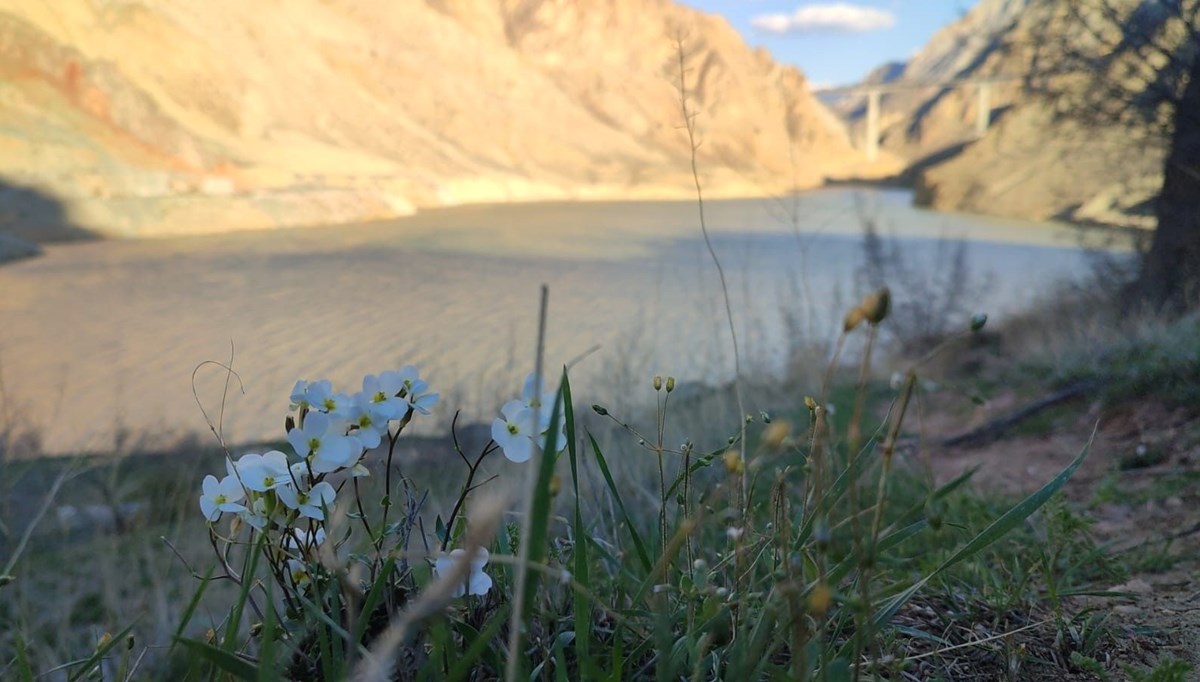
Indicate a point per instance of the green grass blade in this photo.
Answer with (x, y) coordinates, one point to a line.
(1001, 526)
(249, 568)
(701, 462)
(372, 600)
(224, 660)
(190, 611)
(465, 663)
(24, 670)
(643, 555)
(267, 671)
(534, 546)
(581, 608)
(100, 654)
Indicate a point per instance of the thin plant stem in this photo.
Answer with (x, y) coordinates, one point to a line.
(861, 549)
(689, 120)
(517, 617)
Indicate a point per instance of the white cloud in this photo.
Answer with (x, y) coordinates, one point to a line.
(839, 17)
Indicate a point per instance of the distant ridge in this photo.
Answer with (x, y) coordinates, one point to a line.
(200, 116)
(1033, 163)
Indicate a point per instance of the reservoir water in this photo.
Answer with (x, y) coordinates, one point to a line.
(99, 339)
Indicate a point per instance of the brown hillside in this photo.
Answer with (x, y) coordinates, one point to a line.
(186, 117)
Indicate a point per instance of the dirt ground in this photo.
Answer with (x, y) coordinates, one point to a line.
(1140, 484)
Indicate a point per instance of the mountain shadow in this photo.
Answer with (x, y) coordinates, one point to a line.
(30, 217)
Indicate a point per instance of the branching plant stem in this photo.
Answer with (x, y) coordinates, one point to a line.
(689, 120)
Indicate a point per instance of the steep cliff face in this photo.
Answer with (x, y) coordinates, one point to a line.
(920, 120)
(1036, 160)
(184, 117)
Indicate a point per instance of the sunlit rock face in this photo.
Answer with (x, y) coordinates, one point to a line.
(149, 119)
(1034, 161)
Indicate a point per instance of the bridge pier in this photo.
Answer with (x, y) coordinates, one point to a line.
(983, 116)
(872, 142)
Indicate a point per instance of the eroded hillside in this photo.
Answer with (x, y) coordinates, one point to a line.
(185, 117)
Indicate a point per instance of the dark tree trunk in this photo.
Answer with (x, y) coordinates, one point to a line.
(1171, 272)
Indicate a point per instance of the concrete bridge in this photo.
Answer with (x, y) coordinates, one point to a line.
(875, 92)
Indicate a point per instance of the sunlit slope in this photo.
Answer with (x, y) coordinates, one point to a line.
(190, 116)
(1036, 161)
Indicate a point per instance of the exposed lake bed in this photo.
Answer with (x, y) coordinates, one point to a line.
(101, 338)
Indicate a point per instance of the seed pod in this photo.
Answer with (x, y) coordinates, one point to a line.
(852, 320)
(289, 423)
(977, 321)
(600, 410)
(670, 384)
(810, 403)
(658, 383)
(876, 306)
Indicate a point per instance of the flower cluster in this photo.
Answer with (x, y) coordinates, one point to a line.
(287, 496)
(330, 433)
(524, 423)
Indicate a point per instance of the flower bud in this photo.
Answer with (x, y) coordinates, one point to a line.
(256, 629)
(875, 307)
(129, 642)
(235, 525)
(104, 640)
(852, 320)
(810, 403)
(600, 410)
(977, 321)
(734, 463)
(775, 434)
(766, 418)
(555, 485)
(210, 635)
(658, 382)
(820, 599)
(670, 384)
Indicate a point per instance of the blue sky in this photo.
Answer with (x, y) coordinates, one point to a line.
(837, 41)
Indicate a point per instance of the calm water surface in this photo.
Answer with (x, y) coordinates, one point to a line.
(102, 338)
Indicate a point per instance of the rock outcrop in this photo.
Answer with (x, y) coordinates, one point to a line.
(1037, 160)
(147, 119)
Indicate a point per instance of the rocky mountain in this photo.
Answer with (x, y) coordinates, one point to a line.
(918, 119)
(144, 118)
(1036, 160)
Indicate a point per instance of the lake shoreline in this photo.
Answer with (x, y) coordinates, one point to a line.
(13, 249)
